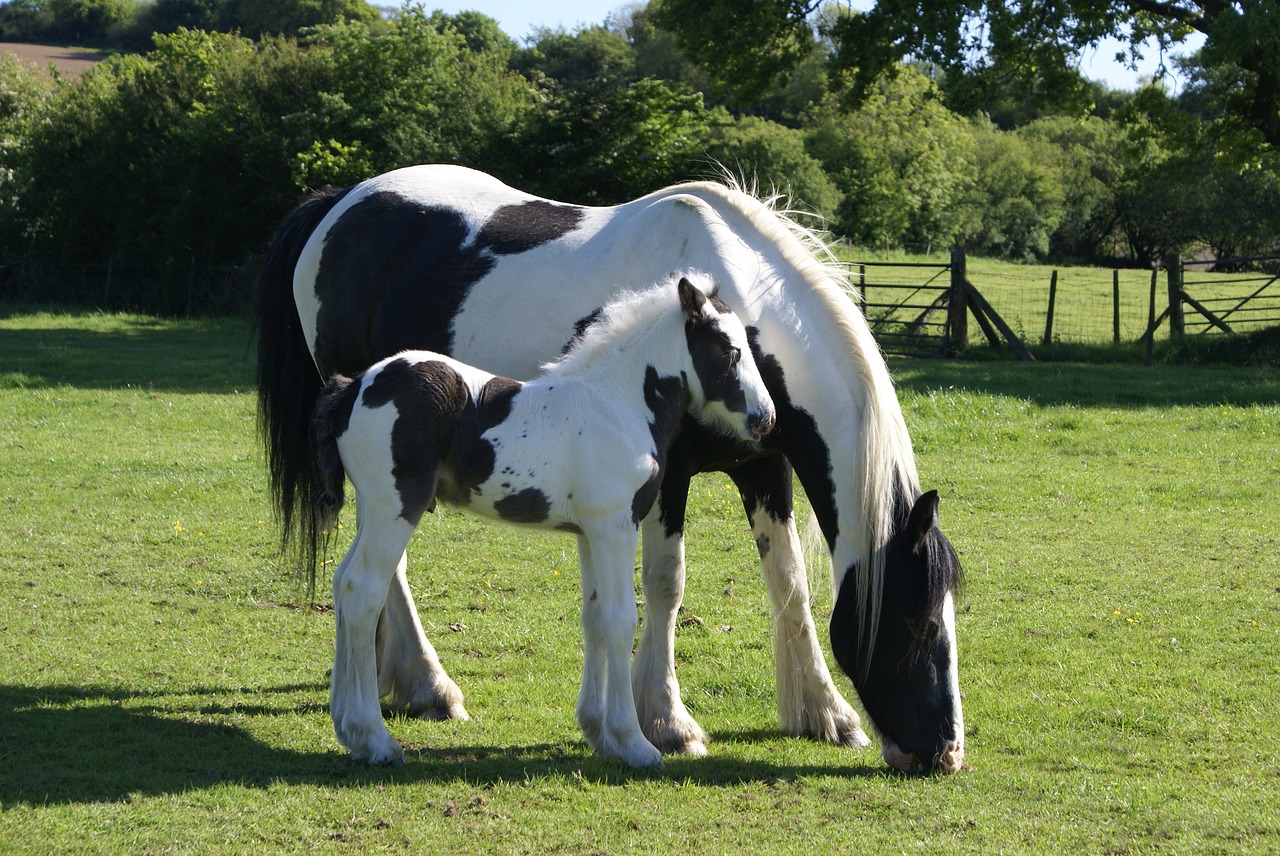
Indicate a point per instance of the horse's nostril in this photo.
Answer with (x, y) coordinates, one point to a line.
(762, 424)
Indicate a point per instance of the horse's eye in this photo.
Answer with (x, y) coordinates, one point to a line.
(735, 356)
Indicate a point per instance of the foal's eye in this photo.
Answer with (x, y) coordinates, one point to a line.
(734, 356)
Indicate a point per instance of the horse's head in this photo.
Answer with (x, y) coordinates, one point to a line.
(725, 383)
(910, 688)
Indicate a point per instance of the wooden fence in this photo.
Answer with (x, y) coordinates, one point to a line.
(922, 309)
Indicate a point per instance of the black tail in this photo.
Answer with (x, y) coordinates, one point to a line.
(288, 383)
(326, 476)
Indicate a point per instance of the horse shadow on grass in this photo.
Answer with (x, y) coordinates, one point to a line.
(1115, 385)
(206, 356)
(70, 745)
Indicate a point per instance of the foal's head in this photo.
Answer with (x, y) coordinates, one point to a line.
(725, 384)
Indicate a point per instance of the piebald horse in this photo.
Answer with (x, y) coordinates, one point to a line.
(580, 448)
(452, 260)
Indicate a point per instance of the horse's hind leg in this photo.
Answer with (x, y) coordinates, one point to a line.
(410, 677)
(808, 701)
(663, 716)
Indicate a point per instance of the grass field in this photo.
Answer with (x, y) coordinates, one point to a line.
(162, 680)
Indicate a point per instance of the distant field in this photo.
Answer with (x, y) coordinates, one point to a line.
(70, 61)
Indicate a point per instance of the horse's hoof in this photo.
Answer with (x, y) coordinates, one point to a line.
(389, 758)
(854, 738)
(438, 713)
(643, 756)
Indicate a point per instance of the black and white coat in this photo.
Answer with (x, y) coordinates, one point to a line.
(580, 449)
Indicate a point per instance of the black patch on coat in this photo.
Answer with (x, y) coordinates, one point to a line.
(472, 458)
(393, 273)
(527, 506)
(392, 276)
(431, 400)
(494, 404)
(713, 355)
(765, 483)
(667, 399)
(796, 435)
(519, 228)
(580, 328)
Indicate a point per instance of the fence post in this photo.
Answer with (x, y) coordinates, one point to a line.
(957, 305)
(1173, 268)
(1048, 318)
(1151, 320)
(1115, 306)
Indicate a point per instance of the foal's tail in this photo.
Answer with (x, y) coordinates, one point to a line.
(326, 475)
(288, 382)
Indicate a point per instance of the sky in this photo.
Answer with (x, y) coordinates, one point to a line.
(519, 18)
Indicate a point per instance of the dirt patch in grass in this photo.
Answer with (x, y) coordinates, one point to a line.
(70, 61)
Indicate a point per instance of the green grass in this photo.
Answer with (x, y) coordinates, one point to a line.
(162, 681)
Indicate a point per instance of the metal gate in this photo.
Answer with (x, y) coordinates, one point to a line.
(906, 305)
(1243, 295)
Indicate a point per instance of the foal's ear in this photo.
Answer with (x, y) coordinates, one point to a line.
(691, 299)
(923, 517)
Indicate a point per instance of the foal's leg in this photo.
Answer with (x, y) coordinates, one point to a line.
(663, 716)
(808, 702)
(606, 707)
(359, 592)
(410, 676)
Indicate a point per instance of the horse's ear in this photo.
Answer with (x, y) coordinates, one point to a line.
(691, 299)
(923, 517)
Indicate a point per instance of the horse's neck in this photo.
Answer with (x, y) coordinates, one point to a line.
(621, 354)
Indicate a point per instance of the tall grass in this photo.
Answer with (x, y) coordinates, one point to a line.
(162, 681)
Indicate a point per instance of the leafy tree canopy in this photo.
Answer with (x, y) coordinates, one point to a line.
(979, 44)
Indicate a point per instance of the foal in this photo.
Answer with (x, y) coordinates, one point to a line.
(580, 449)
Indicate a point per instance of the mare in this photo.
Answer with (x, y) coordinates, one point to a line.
(580, 449)
(453, 260)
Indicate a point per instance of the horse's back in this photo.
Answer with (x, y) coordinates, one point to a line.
(453, 260)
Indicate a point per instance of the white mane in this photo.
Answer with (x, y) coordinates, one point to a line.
(883, 453)
(629, 317)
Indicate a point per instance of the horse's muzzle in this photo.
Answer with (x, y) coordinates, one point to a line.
(948, 760)
(761, 423)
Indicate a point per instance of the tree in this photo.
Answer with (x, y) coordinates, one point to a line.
(904, 163)
(416, 93)
(1020, 195)
(761, 151)
(287, 17)
(598, 142)
(980, 43)
(1086, 154)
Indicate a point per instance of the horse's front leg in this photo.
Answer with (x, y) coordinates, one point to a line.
(359, 592)
(808, 701)
(606, 706)
(410, 677)
(663, 716)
